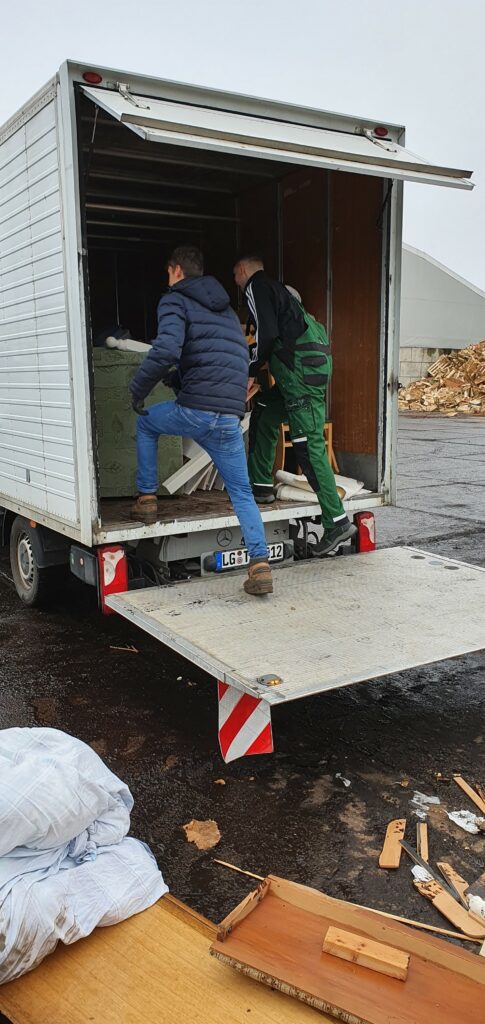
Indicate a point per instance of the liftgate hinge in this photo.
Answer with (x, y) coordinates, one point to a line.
(124, 91)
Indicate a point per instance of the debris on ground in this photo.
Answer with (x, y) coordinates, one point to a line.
(455, 383)
(219, 782)
(467, 820)
(420, 802)
(346, 782)
(390, 856)
(128, 648)
(471, 793)
(205, 834)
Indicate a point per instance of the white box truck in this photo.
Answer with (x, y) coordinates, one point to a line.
(101, 174)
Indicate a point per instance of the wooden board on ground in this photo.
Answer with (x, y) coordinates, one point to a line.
(280, 943)
(422, 840)
(470, 792)
(153, 968)
(451, 909)
(450, 875)
(390, 856)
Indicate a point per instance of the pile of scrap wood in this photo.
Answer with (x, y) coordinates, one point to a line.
(455, 384)
(461, 903)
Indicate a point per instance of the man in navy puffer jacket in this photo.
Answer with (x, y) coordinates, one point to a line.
(201, 352)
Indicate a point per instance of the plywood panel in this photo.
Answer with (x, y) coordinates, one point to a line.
(153, 968)
(280, 943)
(356, 202)
(304, 236)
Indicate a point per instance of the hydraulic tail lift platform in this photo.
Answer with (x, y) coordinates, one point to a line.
(328, 624)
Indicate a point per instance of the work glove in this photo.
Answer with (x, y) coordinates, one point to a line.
(138, 405)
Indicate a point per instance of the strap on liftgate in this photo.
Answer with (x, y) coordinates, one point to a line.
(244, 723)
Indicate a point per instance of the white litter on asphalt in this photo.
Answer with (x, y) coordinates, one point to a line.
(467, 820)
(420, 874)
(421, 802)
(346, 782)
(477, 906)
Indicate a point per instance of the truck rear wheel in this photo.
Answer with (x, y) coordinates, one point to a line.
(33, 585)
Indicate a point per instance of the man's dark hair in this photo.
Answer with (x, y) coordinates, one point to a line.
(190, 258)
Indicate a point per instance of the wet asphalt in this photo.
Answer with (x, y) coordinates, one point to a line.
(153, 718)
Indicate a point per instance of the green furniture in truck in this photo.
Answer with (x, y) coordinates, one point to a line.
(116, 424)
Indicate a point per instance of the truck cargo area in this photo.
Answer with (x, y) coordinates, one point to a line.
(321, 231)
(349, 620)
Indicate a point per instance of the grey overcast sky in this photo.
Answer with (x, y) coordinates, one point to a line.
(414, 62)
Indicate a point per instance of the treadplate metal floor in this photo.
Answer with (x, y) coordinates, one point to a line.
(328, 624)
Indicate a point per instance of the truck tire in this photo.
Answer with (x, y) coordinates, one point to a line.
(35, 586)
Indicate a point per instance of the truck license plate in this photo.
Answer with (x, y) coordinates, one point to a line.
(238, 559)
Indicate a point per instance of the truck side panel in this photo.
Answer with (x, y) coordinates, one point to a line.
(37, 449)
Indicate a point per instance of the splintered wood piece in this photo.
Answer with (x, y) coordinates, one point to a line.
(360, 950)
(390, 856)
(422, 840)
(470, 792)
(450, 909)
(239, 913)
(452, 876)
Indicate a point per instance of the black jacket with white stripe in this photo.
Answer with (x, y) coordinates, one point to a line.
(273, 313)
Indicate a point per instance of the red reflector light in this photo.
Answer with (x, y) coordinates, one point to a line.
(365, 538)
(92, 77)
(381, 132)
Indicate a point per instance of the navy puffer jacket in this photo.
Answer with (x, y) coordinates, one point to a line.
(199, 335)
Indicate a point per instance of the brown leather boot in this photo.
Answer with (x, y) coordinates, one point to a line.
(145, 509)
(259, 579)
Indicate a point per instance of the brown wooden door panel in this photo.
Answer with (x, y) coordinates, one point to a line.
(356, 301)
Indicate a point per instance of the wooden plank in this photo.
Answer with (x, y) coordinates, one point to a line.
(471, 793)
(150, 969)
(450, 909)
(246, 907)
(378, 927)
(374, 955)
(452, 876)
(390, 856)
(422, 840)
(280, 944)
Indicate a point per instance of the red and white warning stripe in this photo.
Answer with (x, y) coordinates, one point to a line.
(244, 723)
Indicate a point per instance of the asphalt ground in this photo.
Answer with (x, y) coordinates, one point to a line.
(153, 718)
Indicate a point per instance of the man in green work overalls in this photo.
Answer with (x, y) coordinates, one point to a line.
(296, 348)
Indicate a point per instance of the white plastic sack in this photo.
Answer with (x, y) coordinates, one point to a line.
(66, 865)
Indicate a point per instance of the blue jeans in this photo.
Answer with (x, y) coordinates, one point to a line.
(221, 437)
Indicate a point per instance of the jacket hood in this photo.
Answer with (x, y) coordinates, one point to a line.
(205, 290)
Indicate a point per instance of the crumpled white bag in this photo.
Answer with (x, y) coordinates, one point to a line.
(66, 865)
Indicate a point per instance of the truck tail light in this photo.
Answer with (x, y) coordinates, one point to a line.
(365, 538)
(92, 77)
(112, 573)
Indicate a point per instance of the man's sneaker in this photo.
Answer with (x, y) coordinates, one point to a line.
(145, 509)
(259, 579)
(332, 539)
(264, 494)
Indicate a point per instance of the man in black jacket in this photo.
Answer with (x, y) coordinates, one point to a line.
(201, 352)
(296, 348)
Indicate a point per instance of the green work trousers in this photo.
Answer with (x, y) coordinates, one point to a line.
(302, 405)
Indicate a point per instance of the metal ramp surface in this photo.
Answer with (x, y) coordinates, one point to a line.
(329, 623)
